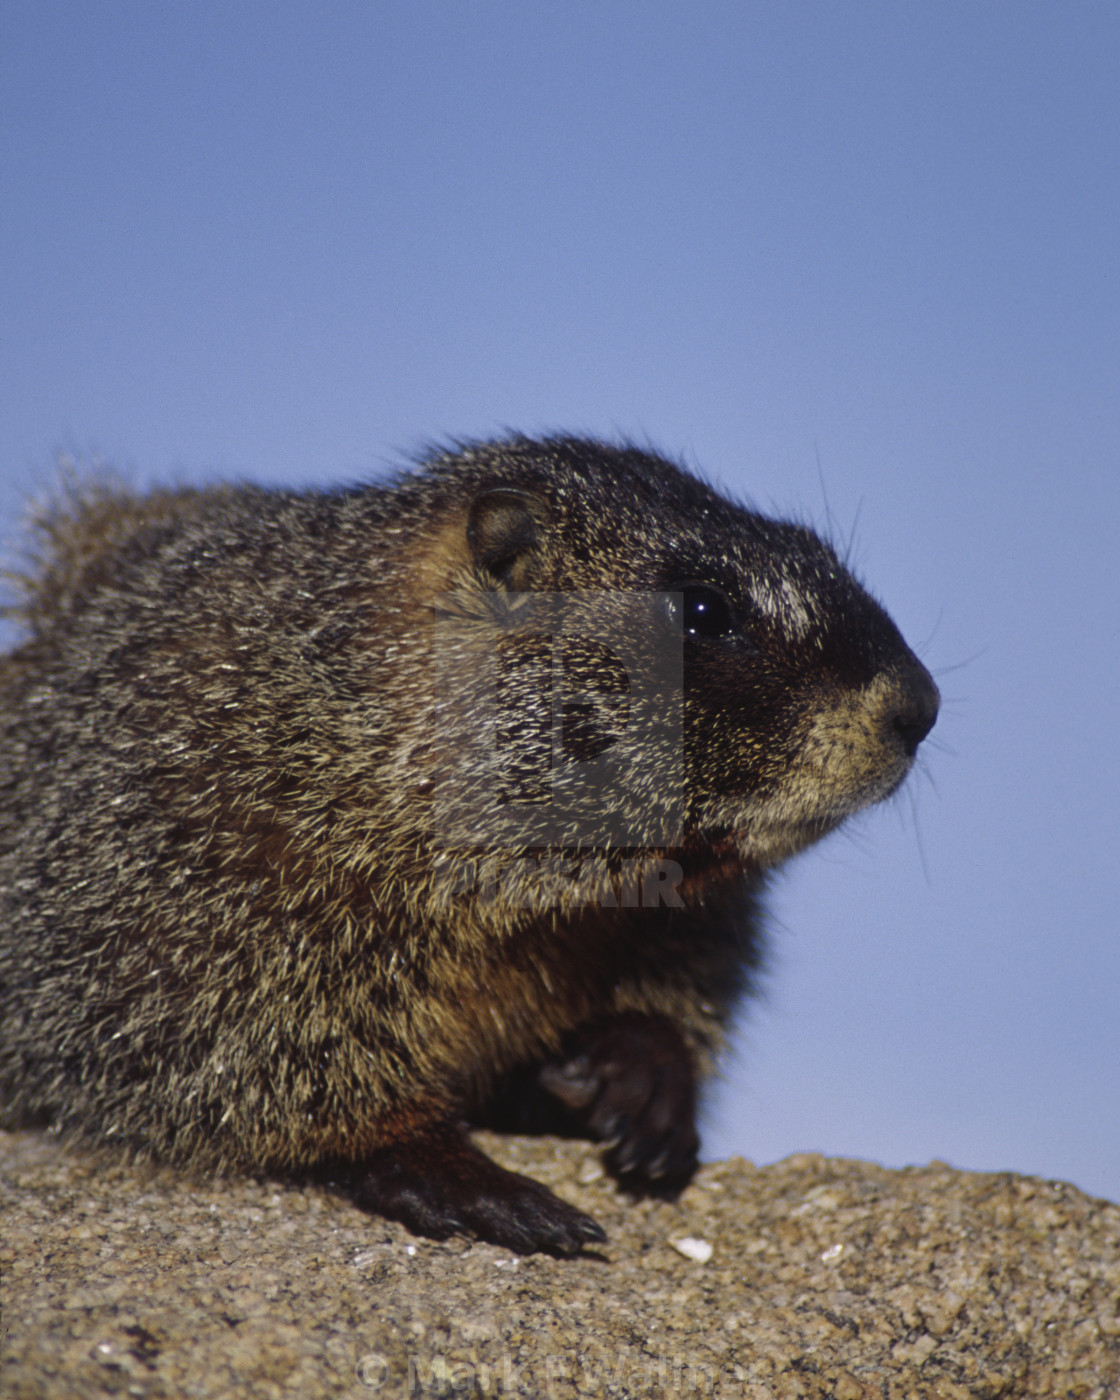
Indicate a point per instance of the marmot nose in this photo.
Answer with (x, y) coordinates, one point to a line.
(916, 710)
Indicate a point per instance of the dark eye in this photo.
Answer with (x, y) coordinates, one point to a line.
(703, 611)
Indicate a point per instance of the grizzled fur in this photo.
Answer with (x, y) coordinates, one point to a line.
(235, 928)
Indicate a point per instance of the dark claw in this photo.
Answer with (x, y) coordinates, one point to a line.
(439, 1184)
(633, 1082)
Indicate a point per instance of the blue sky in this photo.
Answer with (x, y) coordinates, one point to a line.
(859, 262)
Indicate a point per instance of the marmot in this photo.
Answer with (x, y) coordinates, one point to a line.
(333, 822)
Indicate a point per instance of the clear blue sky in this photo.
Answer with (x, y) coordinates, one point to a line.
(294, 241)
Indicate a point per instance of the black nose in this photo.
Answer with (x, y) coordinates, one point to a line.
(916, 711)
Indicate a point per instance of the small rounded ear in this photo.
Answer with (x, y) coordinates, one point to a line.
(503, 531)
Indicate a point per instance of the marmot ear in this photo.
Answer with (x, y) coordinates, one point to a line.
(503, 531)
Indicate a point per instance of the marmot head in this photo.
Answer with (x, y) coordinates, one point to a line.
(640, 662)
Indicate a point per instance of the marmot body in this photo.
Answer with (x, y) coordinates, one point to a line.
(331, 820)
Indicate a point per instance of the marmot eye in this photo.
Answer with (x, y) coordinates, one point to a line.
(704, 611)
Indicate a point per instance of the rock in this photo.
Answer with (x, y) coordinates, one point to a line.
(827, 1278)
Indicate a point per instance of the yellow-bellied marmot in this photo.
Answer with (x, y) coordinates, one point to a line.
(331, 820)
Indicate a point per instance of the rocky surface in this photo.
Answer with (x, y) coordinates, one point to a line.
(813, 1278)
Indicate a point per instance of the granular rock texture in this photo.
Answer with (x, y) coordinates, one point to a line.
(816, 1277)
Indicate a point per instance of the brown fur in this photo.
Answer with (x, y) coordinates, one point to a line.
(255, 910)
